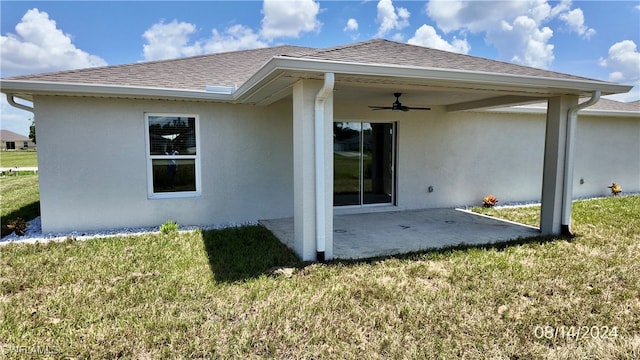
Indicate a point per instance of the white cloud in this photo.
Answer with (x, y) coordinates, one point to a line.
(518, 29)
(624, 60)
(352, 25)
(169, 41)
(529, 43)
(391, 18)
(173, 40)
(427, 36)
(289, 18)
(575, 21)
(281, 19)
(236, 37)
(39, 46)
(475, 16)
(352, 28)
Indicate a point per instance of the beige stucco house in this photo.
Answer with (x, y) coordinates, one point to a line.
(14, 141)
(289, 132)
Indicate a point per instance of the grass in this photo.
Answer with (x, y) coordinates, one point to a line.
(19, 158)
(20, 198)
(211, 294)
(20, 194)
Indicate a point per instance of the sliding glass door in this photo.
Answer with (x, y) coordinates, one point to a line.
(363, 159)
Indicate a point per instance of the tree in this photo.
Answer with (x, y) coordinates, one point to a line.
(32, 131)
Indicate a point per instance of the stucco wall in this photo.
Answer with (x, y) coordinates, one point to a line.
(466, 156)
(463, 156)
(93, 167)
(607, 150)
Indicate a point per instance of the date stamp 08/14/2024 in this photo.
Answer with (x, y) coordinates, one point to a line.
(539, 332)
(575, 332)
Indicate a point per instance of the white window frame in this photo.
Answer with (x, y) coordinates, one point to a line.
(177, 194)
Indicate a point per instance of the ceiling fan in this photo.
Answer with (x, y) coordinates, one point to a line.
(397, 105)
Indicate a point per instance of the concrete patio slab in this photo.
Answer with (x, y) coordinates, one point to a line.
(358, 236)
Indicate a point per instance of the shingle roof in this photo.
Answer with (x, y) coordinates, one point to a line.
(11, 136)
(234, 68)
(606, 104)
(193, 73)
(389, 52)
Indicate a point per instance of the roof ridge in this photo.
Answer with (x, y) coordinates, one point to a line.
(347, 46)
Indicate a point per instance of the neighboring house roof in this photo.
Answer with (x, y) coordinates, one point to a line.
(605, 107)
(607, 104)
(6, 135)
(262, 76)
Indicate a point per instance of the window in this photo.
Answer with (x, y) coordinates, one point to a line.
(11, 145)
(173, 155)
(25, 144)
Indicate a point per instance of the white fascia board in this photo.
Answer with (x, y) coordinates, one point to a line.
(79, 89)
(459, 78)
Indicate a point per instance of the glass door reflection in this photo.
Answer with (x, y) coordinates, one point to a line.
(347, 162)
(363, 163)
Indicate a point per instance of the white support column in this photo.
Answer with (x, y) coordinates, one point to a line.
(554, 164)
(328, 177)
(304, 184)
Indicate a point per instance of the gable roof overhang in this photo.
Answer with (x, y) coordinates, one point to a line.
(273, 81)
(483, 89)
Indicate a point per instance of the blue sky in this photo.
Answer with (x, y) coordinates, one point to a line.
(595, 39)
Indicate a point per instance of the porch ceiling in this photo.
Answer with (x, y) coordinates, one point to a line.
(452, 88)
(416, 92)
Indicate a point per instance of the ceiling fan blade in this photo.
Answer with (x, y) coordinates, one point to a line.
(397, 105)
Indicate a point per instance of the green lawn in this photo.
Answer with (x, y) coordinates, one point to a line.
(20, 158)
(20, 198)
(209, 295)
(19, 194)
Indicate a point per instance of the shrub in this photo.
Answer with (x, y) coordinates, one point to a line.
(17, 225)
(169, 227)
(615, 189)
(489, 201)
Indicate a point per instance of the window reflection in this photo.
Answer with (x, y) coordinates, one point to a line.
(172, 154)
(172, 134)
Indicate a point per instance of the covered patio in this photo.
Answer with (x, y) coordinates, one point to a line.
(359, 236)
(275, 126)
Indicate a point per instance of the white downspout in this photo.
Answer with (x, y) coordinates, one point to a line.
(321, 97)
(567, 196)
(13, 103)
